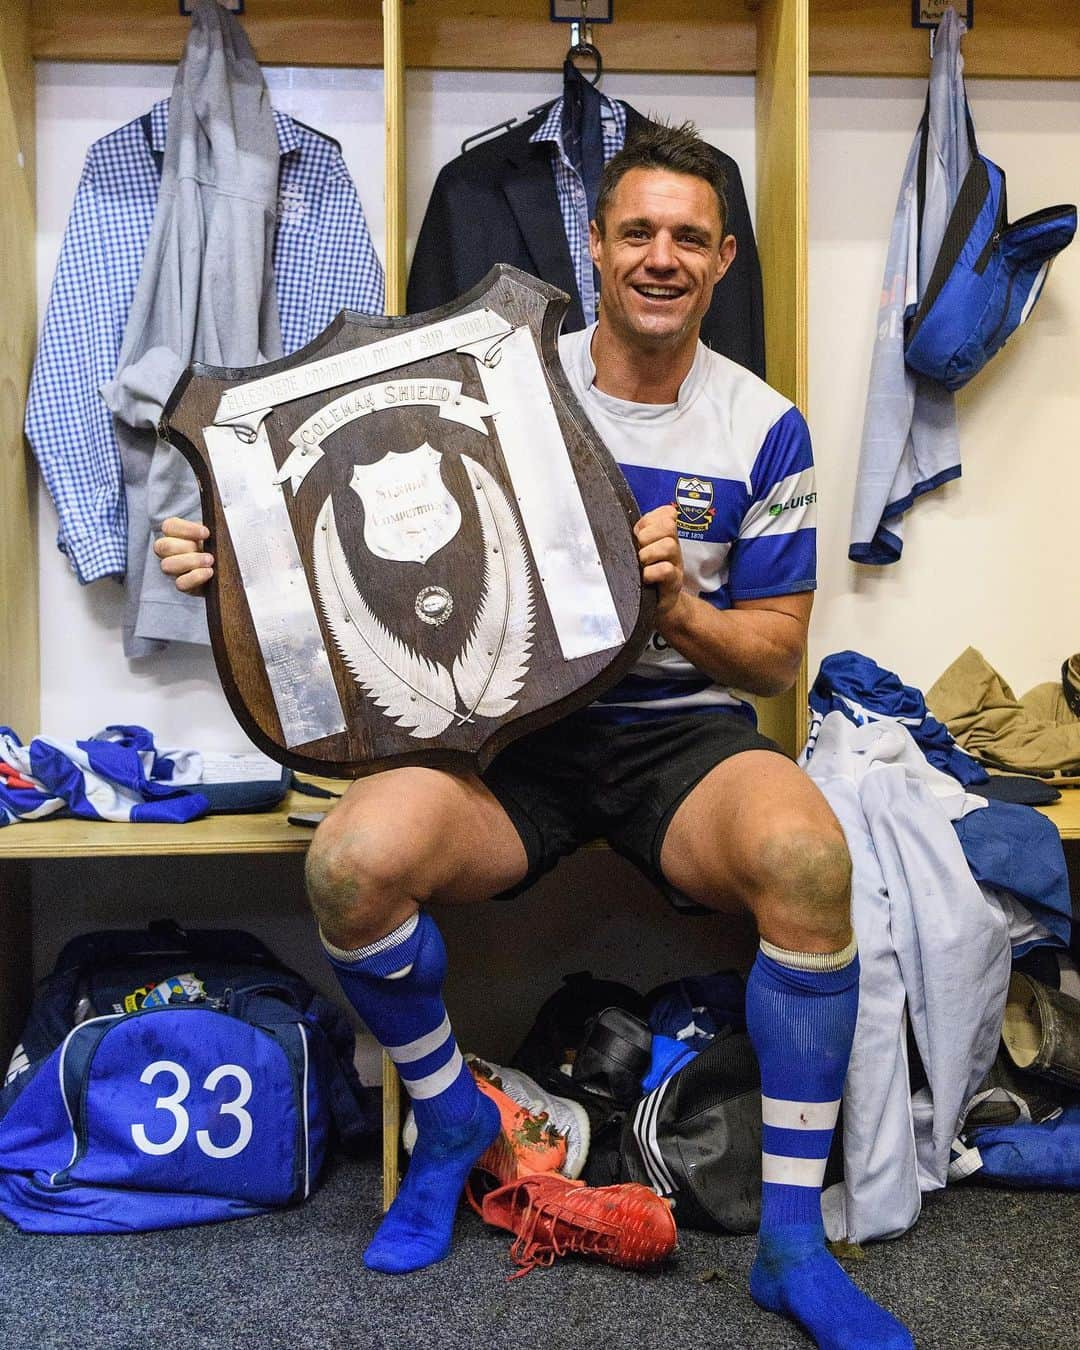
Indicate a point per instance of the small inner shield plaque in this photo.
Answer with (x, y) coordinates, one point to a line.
(408, 512)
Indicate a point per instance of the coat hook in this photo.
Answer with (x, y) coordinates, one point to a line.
(581, 15)
(233, 6)
(929, 13)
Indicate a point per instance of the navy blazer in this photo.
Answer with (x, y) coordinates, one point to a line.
(497, 203)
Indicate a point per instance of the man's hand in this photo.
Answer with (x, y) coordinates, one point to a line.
(660, 555)
(756, 645)
(181, 554)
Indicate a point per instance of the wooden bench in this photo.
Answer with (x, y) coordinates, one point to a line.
(96, 843)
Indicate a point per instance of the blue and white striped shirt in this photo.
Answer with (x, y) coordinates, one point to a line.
(324, 261)
(570, 190)
(734, 457)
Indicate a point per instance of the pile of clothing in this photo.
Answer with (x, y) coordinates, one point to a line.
(120, 774)
(950, 888)
(117, 774)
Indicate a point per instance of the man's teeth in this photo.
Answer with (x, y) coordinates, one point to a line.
(659, 292)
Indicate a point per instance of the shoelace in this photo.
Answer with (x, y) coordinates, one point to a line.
(529, 1251)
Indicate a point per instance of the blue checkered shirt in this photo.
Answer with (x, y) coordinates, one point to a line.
(323, 262)
(570, 190)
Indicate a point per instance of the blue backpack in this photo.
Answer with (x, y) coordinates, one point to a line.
(987, 276)
(169, 1078)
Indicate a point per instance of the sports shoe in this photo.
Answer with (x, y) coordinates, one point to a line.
(526, 1143)
(625, 1225)
(568, 1119)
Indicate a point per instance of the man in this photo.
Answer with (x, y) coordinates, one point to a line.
(669, 765)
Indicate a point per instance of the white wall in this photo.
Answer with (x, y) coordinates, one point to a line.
(989, 560)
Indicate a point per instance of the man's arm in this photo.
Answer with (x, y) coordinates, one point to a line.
(756, 645)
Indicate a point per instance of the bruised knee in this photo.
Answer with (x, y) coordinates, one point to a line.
(804, 877)
(359, 882)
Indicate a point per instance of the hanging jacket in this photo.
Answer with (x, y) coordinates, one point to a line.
(498, 203)
(909, 442)
(205, 293)
(324, 261)
(576, 164)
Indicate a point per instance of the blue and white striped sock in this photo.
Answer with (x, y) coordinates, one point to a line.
(395, 985)
(801, 1009)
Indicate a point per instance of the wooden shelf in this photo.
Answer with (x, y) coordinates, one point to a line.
(260, 832)
(1065, 814)
(1037, 40)
(707, 35)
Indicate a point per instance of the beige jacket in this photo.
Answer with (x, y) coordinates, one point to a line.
(1034, 734)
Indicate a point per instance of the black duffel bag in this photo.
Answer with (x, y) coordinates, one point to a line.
(696, 1139)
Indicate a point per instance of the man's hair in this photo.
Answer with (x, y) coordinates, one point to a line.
(660, 145)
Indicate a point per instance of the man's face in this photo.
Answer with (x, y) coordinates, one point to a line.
(660, 255)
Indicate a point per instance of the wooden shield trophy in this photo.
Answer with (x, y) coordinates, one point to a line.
(422, 548)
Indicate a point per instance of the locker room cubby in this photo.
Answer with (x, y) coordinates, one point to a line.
(781, 42)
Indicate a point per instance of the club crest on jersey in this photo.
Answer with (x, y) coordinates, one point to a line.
(694, 504)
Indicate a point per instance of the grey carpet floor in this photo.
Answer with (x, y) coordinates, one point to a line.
(983, 1268)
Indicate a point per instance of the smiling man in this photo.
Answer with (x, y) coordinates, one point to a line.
(669, 765)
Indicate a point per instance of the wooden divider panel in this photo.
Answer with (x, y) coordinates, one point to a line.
(18, 550)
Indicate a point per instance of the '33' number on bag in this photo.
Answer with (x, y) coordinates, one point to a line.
(173, 1102)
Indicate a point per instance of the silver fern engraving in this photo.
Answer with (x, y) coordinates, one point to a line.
(495, 658)
(412, 691)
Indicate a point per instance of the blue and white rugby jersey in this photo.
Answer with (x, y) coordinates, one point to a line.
(735, 458)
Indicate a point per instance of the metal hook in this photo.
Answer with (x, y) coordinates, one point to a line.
(581, 31)
(233, 6)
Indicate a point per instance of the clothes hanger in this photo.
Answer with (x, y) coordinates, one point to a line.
(580, 48)
(590, 52)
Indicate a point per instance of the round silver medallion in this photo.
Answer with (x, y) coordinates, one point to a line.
(434, 605)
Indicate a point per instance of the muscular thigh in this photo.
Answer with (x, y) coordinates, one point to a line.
(442, 835)
(739, 827)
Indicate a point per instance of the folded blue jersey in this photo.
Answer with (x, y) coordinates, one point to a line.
(1024, 1154)
(1019, 850)
(863, 691)
(118, 774)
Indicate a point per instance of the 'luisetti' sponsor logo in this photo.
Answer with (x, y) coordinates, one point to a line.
(804, 499)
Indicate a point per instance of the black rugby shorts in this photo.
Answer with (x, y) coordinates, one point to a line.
(584, 778)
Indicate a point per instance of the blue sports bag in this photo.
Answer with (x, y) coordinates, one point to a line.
(987, 276)
(215, 1096)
